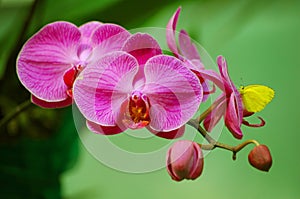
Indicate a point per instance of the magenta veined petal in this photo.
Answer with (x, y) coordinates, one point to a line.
(204, 76)
(229, 88)
(142, 46)
(107, 38)
(210, 75)
(216, 114)
(104, 86)
(187, 48)
(227, 83)
(188, 53)
(239, 103)
(45, 104)
(44, 59)
(232, 120)
(222, 64)
(87, 30)
(104, 130)
(177, 133)
(174, 92)
(171, 28)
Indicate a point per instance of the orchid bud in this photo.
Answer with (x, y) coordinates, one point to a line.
(260, 158)
(184, 160)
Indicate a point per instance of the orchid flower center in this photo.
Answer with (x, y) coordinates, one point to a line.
(70, 76)
(84, 53)
(137, 115)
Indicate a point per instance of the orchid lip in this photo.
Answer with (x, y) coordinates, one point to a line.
(262, 123)
(70, 76)
(137, 113)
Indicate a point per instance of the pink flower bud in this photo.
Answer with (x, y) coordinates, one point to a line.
(260, 158)
(184, 160)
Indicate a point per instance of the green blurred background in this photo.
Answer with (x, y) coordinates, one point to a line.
(261, 42)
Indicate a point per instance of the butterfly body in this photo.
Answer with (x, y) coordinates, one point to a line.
(256, 97)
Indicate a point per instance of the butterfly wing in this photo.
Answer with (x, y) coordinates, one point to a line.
(256, 97)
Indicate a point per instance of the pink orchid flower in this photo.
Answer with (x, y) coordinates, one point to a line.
(188, 53)
(50, 61)
(138, 87)
(185, 160)
(228, 104)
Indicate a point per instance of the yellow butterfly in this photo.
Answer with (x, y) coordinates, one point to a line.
(256, 97)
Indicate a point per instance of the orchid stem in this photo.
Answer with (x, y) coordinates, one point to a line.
(19, 109)
(215, 144)
(206, 112)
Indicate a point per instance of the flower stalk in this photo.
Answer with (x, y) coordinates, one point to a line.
(215, 144)
(206, 112)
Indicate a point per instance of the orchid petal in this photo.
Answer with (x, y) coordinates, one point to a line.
(45, 104)
(232, 120)
(216, 114)
(173, 90)
(169, 135)
(108, 38)
(206, 91)
(104, 86)
(227, 83)
(171, 28)
(205, 75)
(104, 130)
(239, 103)
(88, 29)
(187, 48)
(181, 159)
(197, 63)
(211, 76)
(222, 64)
(142, 47)
(184, 160)
(44, 59)
(197, 168)
(229, 87)
(84, 52)
(191, 64)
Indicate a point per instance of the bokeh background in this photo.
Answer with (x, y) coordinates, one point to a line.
(41, 155)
